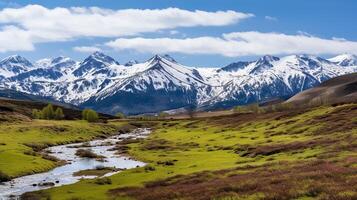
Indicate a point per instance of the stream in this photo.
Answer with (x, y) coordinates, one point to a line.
(63, 175)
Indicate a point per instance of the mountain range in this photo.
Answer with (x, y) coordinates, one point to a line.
(161, 83)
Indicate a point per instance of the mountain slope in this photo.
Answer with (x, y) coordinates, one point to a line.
(336, 90)
(14, 65)
(270, 77)
(161, 83)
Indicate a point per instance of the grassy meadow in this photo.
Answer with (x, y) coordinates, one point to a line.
(300, 154)
(21, 141)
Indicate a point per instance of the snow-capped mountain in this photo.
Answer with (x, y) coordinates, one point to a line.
(344, 60)
(161, 83)
(14, 65)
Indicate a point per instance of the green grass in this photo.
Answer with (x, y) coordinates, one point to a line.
(208, 145)
(18, 159)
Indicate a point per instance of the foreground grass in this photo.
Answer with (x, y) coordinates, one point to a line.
(302, 154)
(21, 142)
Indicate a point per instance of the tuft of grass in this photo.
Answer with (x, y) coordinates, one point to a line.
(103, 181)
(87, 153)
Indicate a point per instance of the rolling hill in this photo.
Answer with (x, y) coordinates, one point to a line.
(342, 89)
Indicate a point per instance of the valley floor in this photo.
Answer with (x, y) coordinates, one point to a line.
(300, 154)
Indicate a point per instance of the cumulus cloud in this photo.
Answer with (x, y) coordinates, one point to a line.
(86, 49)
(41, 24)
(14, 39)
(238, 44)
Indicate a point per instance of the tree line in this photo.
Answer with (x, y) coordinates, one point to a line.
(48, 113)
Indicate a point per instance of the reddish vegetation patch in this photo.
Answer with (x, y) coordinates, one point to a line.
(321, 179)
(338, 120)
(267, 150)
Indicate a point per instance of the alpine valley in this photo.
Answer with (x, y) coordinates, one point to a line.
(161, 83)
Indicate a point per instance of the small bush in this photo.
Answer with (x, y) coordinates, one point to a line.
(149, 168)
(103, 181)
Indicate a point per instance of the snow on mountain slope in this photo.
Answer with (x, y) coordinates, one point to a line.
(157, 73)
(344, 60)
(271, 77)
(161, 83)
(14, 65)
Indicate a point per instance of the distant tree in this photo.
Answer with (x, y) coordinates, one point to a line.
(59, 114)
(48, 112)
(120, 115)
(36, 114)
(90, 115)
(85, 113)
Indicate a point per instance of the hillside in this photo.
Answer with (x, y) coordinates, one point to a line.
(13, 109)
(341, 89)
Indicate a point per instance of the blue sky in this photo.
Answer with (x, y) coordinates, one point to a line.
(322, 27)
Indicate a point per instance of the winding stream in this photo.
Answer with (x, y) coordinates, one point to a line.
(63, 175)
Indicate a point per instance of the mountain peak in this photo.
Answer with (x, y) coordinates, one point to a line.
(101, 57)
(159, 57)
(235, 66)
(264, 63)
(131, 63)
(16, 59)
(268, 58)
(98, 54)
(345, 60)
(94, 62)
(168, 57)
(14, 65)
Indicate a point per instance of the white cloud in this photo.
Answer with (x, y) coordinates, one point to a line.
(271, 18)
(86, 49)
(15, 39)
(41, 24)
(238, 44)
